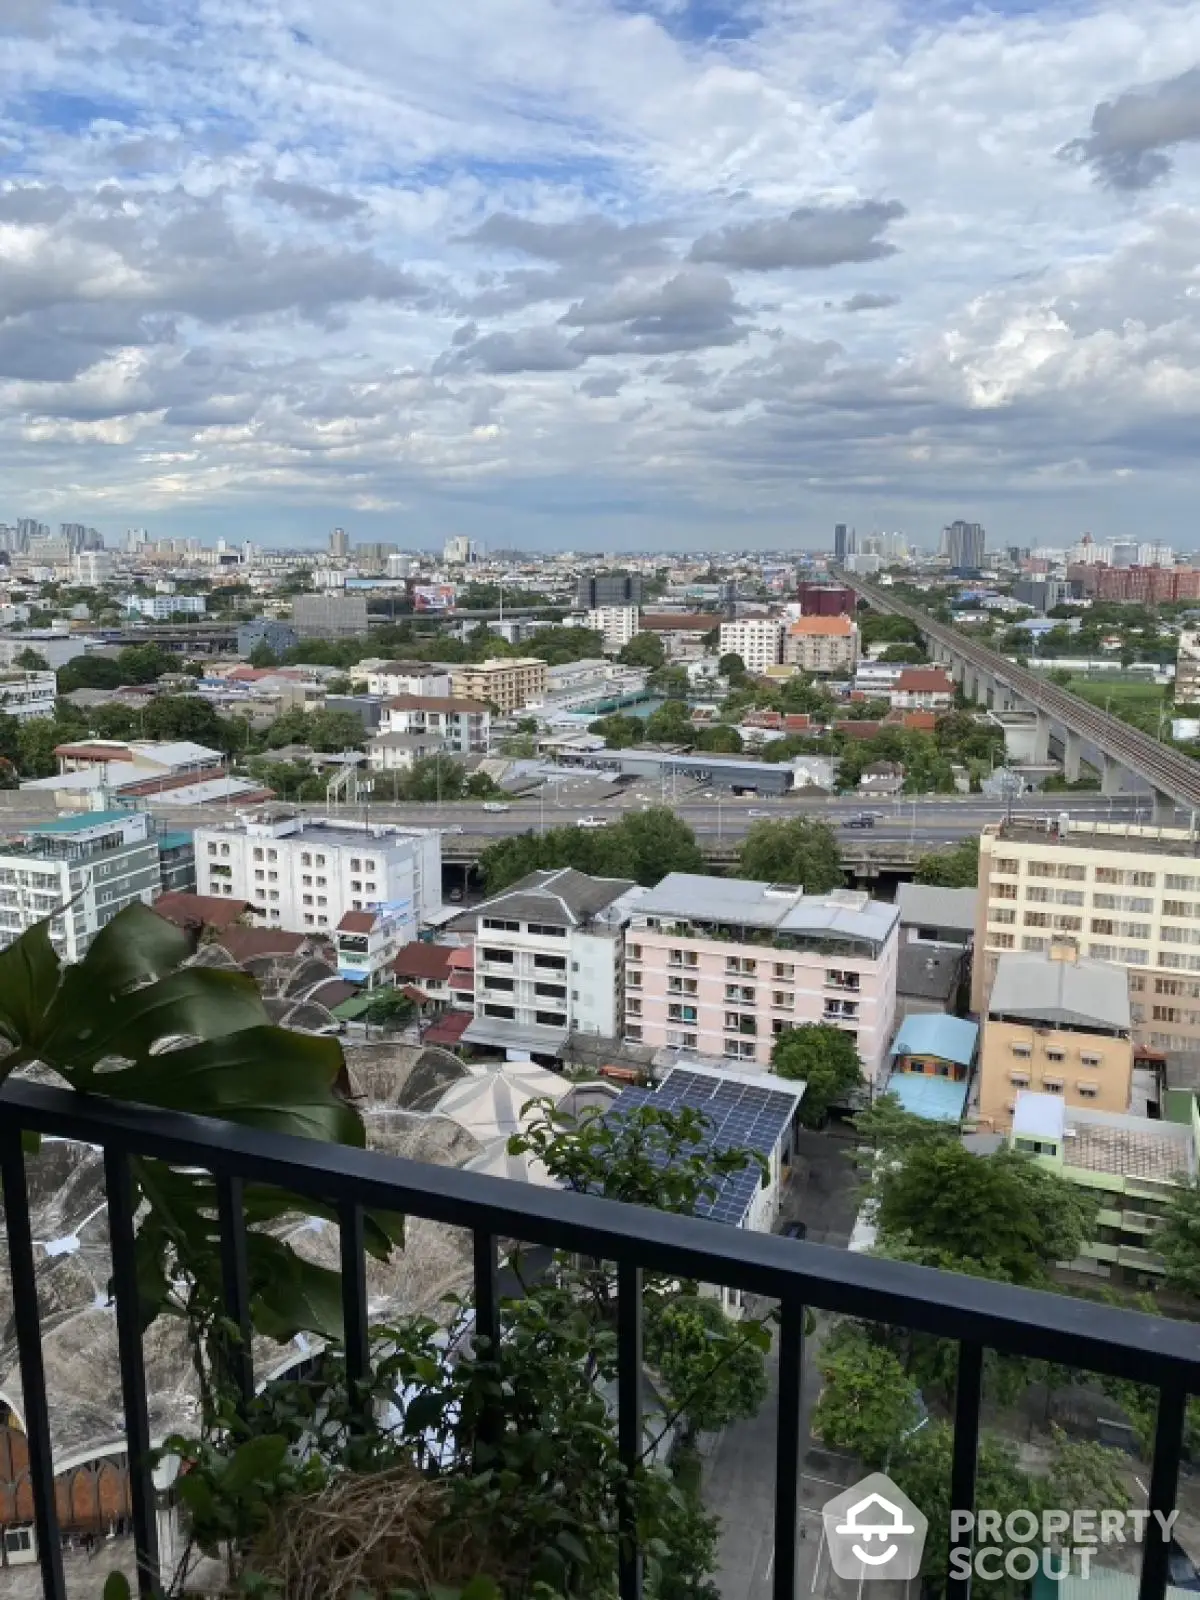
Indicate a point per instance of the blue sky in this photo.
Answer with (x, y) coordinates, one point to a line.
(607, 274)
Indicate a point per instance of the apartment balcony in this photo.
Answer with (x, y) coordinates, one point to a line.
(794, 1275)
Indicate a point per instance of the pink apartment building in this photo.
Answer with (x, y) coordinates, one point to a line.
(722, 966)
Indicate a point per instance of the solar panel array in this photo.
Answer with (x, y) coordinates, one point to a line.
(741, 1117)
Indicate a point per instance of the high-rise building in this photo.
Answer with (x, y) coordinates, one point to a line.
(616, 624)
(600, 589)
(303, 873)
(78, 871)
(758, 640)
(844, 542)
(1187, 668)
(330, 616)
(963, 544)
(726, 971)
(339, 544)
(1121, 895)
(136, 539)
(459, 551)
(1123, 553)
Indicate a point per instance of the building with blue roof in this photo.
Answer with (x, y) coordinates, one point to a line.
(933, 1057)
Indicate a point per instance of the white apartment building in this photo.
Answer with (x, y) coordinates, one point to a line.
(304, 874)
(617, 625)
(86, 868)
(416, 726)
(408, 677)
(93, 567)
(1122, 894)
(758, 640)
(549, 959)
(724, 967)
(27, 694)
(161, 607)
(1187, 668)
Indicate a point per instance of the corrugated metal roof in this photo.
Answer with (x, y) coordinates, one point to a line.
(1081, 993)
(928, 1033)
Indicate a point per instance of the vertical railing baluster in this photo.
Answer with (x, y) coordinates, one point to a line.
(118, 1181)
(354, 1299)
(788, 1445)
(235, 1284)
(629, 1423)
(29, 1348)
(967, 1394)
(487, 1325)
(1164, 1486)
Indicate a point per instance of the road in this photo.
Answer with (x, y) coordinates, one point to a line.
(936, 817)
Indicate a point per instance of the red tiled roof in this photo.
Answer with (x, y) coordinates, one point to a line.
(794, 720)
(435, 702)
(86, 750)
(448, 1029)
(818, 627)
(924, 680)
(419, 960)
(358, 921)
(680, 622)
(857, 730)
(203, 910)
(243, 943)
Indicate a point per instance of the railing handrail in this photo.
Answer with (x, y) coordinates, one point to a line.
(1029, 1322)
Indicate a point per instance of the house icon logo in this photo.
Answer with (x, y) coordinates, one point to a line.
(873, 1530)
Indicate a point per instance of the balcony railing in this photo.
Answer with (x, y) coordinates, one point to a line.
(974, 1312)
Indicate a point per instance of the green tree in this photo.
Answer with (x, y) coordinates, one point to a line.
(36, 739)
(30, 661)
(658, 841)
(903, 654)
(143, 663)
(826, 1060)
(182, 716)
(713, 1375)
(795, 851)
(956, 868)
(671, 723)
(732, 667)
(644, 846)
(262, 655)
(10, 738)
(868, 1403)
(999, 1216)
(643, 650)
(617, 731)
(90, 672)
(720, 738)
(1178, 1239)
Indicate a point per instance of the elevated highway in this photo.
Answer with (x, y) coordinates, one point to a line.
(991, 679)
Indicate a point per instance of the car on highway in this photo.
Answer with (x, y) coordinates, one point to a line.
(455, 829)
(494, 805)
(593, 822)
(860, 819)
(758, 813)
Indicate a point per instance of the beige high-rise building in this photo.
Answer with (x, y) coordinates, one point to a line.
(1187, 669)
(509, 684)
(1125, 895)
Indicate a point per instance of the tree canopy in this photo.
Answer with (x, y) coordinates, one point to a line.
(956, 868)
(643, 650)
(644, 846)
(1178, 1240)
(826, 1059)
(798, 850)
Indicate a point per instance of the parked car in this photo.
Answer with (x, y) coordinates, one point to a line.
(758, 813)
(494, 805)
(593, 822)
(861, 819)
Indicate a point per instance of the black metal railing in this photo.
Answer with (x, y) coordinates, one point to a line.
(974, 1312)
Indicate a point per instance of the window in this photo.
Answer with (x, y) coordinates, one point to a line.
(356, 885)
(355, 864)
(633, 1031)
(1023, 1050)
(1006, 865)
(633, 980)
(1037, 919)
(1002, 941)
(272, 877)
(633, 1007)
(1090, 1058)
(260, 874)
(319, 860)
(682, 1041)
(212, 850)
(502, 985)
(307, 899)
(551, 963)
(546, 930)
(674, 985)
(320, 883)
(835, 979)
(506, 1012)
(1002, 914)
(782, 1000)
(784, 969)
(272, 855)
(551, 991)
(681, 1013)
(1020, 1079)
(1030, 942)
(504, 957)
(1173, 880)
(745, 1049)
(306, 880)
(1040, 896)
(1005, 891)
(634, 952)
(1089, 1091)
(1052, 1085)
(550, 1019)
(305, 857)
(1178, 908)
(1055, 1052)
(308, 922)
(368, 866)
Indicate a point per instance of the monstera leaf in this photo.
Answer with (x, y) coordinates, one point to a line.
(132, 1022)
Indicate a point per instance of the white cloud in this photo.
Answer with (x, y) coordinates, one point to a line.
(559, 268)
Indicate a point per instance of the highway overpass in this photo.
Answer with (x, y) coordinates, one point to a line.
(992, 680)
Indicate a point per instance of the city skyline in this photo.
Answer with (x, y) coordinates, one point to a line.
(629, 275)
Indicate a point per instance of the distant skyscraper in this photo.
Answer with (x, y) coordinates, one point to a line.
(1123, 553)
(600, 589)
(963, 544)
(459, 551)
(844, 542)
(339, 544)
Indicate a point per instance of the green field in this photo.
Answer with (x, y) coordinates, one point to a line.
(1137, 703)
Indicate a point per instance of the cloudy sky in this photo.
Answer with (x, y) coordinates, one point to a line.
(601, 274)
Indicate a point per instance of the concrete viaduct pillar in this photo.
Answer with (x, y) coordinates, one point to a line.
(1163, 813)
(1071, 746)
(1111, 773)
(1041, 739)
